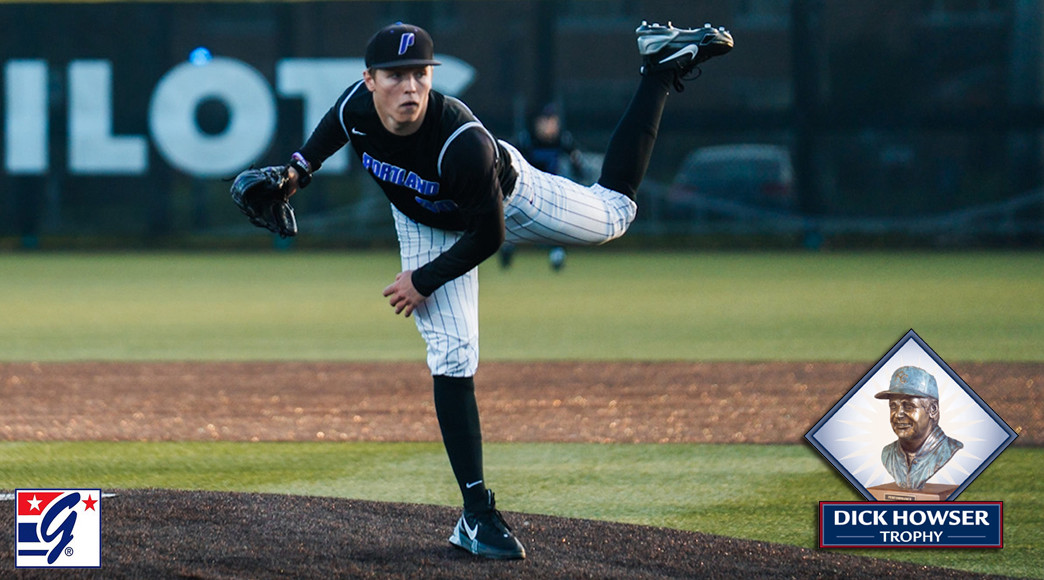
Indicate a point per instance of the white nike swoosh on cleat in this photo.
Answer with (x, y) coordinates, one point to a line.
(472, 532)
(691, 49)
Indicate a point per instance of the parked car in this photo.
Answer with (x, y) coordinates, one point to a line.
(725, 178)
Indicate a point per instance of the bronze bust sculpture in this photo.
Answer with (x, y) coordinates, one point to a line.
(921, 448)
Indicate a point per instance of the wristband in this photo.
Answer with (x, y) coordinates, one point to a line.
(303, 168)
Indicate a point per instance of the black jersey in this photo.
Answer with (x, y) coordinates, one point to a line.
(450, 174)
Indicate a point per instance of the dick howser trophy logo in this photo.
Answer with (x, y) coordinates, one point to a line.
(910, 437)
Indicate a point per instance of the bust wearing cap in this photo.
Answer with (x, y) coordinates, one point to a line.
(921, 448)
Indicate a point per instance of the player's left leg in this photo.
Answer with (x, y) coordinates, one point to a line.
(669, 55)
(550, 209)
(545, 208)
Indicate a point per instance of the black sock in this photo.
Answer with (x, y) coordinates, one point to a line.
(457, 411)
(631, 145)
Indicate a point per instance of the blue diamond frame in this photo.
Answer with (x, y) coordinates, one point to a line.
(909, 336)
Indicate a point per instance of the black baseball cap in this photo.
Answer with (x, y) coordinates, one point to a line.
(400, 45)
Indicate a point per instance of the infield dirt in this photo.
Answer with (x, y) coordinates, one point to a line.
(605, 402)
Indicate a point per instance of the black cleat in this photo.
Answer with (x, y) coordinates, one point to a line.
(680, 50)
(485, 533)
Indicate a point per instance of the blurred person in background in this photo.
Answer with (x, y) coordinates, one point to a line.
(549, 148)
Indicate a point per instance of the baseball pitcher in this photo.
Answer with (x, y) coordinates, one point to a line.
(457, 193)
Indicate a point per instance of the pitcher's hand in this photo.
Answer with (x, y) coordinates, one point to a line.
(402, 296)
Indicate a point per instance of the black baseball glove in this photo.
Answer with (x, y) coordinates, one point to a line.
(262, 195)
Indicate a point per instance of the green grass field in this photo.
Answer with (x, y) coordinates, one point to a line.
(605, 305)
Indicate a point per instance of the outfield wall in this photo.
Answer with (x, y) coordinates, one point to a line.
(121, 119)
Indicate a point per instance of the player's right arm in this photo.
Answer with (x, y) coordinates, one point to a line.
(328, 137)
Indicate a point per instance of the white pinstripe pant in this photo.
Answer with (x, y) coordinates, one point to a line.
(543, 208)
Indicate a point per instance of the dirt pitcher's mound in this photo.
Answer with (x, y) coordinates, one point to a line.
(179, 534)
